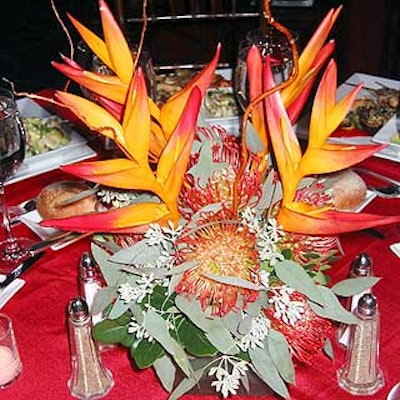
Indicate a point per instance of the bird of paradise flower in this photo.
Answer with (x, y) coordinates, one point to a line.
(144, 132)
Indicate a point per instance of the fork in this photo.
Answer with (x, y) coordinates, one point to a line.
(386, 192)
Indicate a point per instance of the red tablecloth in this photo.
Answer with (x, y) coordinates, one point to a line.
(38, 311)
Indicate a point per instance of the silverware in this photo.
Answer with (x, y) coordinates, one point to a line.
(21, 209)
(377, 176)
(386, 192)
(394, 393)
(58, 240)
(20, 269)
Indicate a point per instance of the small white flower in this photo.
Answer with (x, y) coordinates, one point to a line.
(144, 286)
(259, 331)
(227, 374)
(139, 330)
(290, 311)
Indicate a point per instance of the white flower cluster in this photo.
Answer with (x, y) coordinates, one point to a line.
(289, 311)
(117, 199)
(228, 373)
(144, 286)
(268, 235)
(162, 236)
(139, 330)
(259, 331)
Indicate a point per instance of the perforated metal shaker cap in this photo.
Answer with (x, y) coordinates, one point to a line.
(78, 309)
(362, 265)
(367, 305)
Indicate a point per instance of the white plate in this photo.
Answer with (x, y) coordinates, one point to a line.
(386, 132)
(76, 150)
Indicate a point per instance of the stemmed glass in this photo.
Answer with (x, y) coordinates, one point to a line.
(12, 152)
(270, 42)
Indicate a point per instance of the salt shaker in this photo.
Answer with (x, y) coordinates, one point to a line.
(361, 266)
(89, 283)
(360, 374)
(89, 378)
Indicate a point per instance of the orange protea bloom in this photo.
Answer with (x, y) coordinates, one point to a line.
(307, 335)
(222, 248)
(202, 187)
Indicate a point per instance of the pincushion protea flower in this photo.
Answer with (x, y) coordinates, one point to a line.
(306, 333)
(222, 248)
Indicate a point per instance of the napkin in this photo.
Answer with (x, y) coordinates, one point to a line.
(32, 221)
(7, 292)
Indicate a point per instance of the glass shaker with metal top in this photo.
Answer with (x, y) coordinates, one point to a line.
(89, 378)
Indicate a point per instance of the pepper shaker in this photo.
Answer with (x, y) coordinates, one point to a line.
(89, 378)
(361, 266)
(360, 374)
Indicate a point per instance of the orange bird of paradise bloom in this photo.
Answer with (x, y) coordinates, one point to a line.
(281, 109)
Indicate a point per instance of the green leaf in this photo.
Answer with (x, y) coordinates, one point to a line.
(267, 371)
(328, 349)
(128, 340)
(103, 298)
(293, 275)
(353, 286)
(234, 281)
(194, 340)
(218, 335)
(185, 385)
(279, 351)
(140, 253)
(109, 331)
(146, 353)
(165, 370)
(156, 326)
(320, 278)
(160, 299)
(109, 270)
(332, 308)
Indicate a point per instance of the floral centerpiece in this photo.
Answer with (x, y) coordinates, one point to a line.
(214, 262)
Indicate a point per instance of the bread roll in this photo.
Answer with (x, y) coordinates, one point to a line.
(348, 190)
(50, 199)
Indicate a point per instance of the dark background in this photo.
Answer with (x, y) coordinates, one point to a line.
(367, 37)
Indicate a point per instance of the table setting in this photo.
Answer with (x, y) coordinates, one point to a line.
(219, 247)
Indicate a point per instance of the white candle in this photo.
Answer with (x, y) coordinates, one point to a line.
(10, 366)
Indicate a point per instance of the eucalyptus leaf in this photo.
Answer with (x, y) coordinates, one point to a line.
(109, 270)
(146, 353)
(109, 331)
(293, 275)
(328, 348)
(103, 298)
(255, 307)
(156, 326)
(118, 308)
(353, 286)
(192, 309)
(140, 253)
(253, 141)
(107, 245)
(234, 281)
(267, 371)
(245, 325)
(231, 321)
(165, 370)
(212, 208)
(194, 340)
(205, 165)
(185, 385)
(174, 280)
(332, 308)
(279, 351)
(220, 337)
(268, 189)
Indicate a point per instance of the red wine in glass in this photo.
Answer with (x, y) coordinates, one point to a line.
(13, 250)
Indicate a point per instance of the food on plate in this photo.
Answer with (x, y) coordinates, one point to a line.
(44, 134)
(395, 138)
(168, 84)
(371, 113)
(221, 103)
(347, 189)
(50, 200)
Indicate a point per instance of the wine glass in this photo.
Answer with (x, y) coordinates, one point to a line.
(270, 42)
(12, 152)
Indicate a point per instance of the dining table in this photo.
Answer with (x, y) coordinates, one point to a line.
(39, 314)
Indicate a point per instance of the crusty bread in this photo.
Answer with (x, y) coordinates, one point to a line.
(50, 199)
(347, 187)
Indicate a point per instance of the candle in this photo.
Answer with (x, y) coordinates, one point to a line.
(10, 365)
